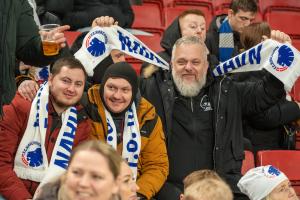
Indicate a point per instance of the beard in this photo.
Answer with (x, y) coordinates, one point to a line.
(188, 89)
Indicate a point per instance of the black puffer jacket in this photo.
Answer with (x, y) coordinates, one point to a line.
(212, 38)
(265, 130)
(230, 100)
(81, 13)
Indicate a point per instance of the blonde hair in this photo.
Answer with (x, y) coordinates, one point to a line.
(198, 176)
(208, 189)
(113, 158)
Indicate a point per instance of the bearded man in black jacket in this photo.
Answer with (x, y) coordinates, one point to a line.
(202, 115)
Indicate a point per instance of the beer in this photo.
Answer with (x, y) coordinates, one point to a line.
(50, 48)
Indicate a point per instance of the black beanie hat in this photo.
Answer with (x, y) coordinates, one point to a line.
(120, 70)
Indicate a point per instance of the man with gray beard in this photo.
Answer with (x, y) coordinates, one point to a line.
(202, 115)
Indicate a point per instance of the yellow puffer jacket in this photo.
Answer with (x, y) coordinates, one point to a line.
(153, 164)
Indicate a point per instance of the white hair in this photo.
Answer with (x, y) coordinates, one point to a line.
(189, 89)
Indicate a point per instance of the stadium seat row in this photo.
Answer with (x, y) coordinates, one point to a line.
(285, 160)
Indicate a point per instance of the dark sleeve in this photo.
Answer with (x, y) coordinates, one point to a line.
(258, 96)
(212, 44)
(59, 6)
(28, 41)
(128, 13)
(55, 6)
(282, 113)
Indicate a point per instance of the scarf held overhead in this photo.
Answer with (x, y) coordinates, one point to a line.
(31, 160)
(281, 60)
(99, 42)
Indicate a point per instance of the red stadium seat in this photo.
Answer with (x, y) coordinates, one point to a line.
(285, 160)
(148, 18)
(295, 93)
(205, 6)
(248, 162)
(171, 13)
(221, 6)
(136, 64)
(268, 5)
(296, 43)
(284, 20)
(162, 3)
(153, 42)
(71, 36)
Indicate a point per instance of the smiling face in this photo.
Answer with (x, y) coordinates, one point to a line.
(89, 177)
(66, 87)
(128, 186)
(189, 69)
(193, 25)
(117, 94)
(284, 191)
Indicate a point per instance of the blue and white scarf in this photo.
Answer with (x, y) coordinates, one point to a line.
(100, 41)
(131, 137)
(31, 160)
(281, 60)
(226, 41)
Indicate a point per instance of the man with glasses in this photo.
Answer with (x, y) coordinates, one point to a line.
(223, 37)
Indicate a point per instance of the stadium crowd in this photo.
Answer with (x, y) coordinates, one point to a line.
(164, 134)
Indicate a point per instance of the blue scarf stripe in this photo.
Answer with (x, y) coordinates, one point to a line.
(226, 42)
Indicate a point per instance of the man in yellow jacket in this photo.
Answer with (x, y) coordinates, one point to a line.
(129, 123)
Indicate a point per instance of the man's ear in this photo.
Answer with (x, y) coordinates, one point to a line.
(263, 38)
(50, 79)
(181, 196)
(230, 13)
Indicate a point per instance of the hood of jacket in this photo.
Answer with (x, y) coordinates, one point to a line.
(170, 36)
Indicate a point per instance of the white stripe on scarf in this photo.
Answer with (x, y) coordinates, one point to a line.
(131, 137)
(31, 160)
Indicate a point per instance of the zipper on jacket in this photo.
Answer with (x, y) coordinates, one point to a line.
(216, 125)
(192, 106)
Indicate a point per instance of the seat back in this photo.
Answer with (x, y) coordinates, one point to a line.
(284, 20)
(286, 161)
(205, 6)
(171, 13)
(296, 90)
(221, 6)
(268, 5)
(163, 3)
(71, 36)
(248, 162)
(149, 18)
(153, 42)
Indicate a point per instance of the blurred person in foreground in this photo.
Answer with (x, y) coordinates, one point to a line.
(127, 186)
(267, 183)
(208, 189)
(20, 39)
(92, 174)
